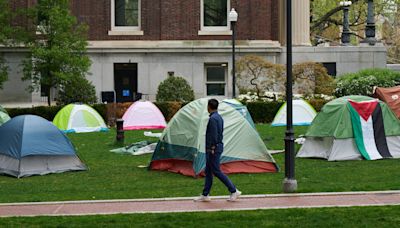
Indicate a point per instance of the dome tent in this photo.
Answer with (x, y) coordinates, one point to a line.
(79, 118)
(390, 96)
(143, 115)
(303, 114)
(4, 117)
(242, 109)
(181, 148)
(331, 134)
(31, 145)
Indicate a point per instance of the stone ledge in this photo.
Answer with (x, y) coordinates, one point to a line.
(215, 33)
(125, 33)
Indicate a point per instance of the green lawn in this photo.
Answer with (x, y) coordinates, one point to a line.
(326, 217)
(116, 176)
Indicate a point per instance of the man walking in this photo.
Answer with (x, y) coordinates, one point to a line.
(214, 149)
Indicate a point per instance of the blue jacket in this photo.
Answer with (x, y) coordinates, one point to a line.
(214, 133)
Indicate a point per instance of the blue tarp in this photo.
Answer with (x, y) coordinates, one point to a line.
(32, 135)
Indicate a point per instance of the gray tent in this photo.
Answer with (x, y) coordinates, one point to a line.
(31, 145)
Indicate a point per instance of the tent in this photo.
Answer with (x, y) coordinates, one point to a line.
(242, 109)
(4, 117)
(181, 148)
(391, 96)
(143, 115)
(31, 145)
(303, 114)
(79, 118)
(331, 134)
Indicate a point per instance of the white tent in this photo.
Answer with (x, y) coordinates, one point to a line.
(303, 114)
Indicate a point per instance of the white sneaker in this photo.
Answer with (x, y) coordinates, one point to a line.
(202, 198)
(234, 196)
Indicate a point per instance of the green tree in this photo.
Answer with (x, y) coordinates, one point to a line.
(5, 30)
(174, 89)
(327, 17)
(77, 90)
(58, 54)
(10, 34)
(390, 36)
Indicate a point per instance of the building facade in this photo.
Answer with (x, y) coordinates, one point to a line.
(136, 44)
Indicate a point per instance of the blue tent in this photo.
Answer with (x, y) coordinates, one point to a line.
(31, 145)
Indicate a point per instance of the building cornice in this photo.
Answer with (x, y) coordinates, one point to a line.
(186, 46)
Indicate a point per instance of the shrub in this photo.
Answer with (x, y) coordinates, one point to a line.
(169, 109)
(174, 89)
(263, 112)
(164, 108)
(76, 90)
(102, 110)
(312, 78)
(255, 73)
(317, 103)
(363, 82)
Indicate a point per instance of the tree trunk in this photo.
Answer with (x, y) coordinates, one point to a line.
(49, 96)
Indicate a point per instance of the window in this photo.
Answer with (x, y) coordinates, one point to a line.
(126, 13)
(44, 90)
(214, 17)
(215, 79)
(331, 68)
(125, 17)
(215, 13)
(42, 18)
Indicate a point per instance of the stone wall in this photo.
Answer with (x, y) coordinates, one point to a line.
(187, 59)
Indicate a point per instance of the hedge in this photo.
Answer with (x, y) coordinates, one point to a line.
(363, 82)
(261, 112)
(49, 112)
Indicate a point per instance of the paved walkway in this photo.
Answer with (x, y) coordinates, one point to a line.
(186, 204)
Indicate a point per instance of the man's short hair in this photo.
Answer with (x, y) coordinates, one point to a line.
(213, 104)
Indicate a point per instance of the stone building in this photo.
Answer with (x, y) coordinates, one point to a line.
(136, 44)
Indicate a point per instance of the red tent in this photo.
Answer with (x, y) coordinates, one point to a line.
(391, 96)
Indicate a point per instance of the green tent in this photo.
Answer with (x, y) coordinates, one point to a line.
(79, 118)
(181, 148)
(4, 117)
(330, 135)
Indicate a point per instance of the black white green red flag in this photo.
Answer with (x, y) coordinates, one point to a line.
(369, 129)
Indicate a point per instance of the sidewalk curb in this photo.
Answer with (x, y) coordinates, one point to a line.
(212, 197)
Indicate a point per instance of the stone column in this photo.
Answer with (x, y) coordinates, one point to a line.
(301, 22)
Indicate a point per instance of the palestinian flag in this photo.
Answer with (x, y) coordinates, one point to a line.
(368, 129)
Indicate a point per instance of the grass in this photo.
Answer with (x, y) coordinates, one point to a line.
(117, 176)
(327, 217)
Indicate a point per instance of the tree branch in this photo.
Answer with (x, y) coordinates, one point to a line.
(329, 14)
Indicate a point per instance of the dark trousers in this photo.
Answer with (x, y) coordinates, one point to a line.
(213, 169)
